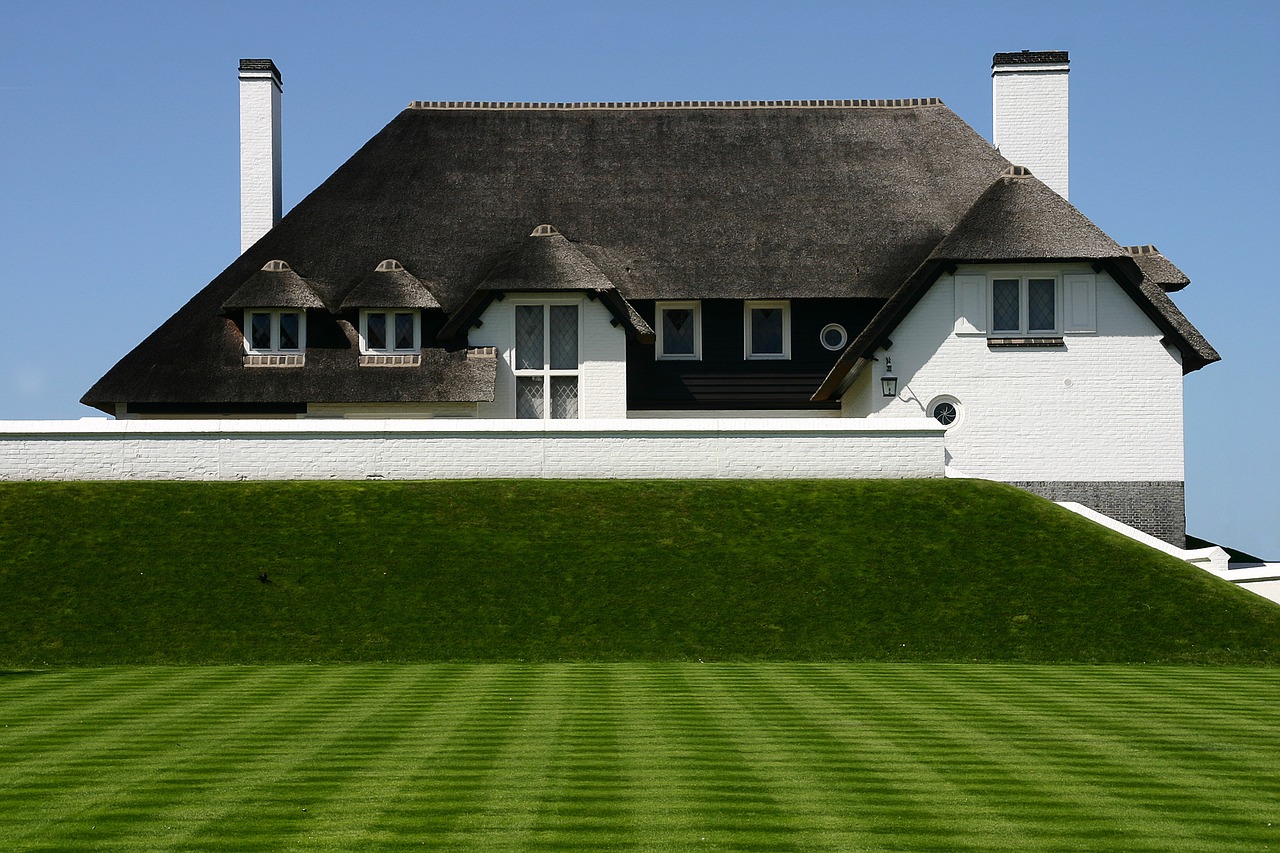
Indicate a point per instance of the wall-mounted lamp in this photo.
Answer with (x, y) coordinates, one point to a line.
(888, 382)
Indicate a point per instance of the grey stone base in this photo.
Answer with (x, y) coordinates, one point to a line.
(1157, 508)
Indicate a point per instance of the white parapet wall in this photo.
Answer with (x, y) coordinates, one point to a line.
(785, 448)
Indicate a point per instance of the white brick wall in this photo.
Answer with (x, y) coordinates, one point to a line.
(1029, 121)
(259, 155)
(95, 449)
(603, 383)
(1107, 407)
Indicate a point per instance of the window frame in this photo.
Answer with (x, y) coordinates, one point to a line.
(546, 373)
(275, 314)
(1024, 327)
(659, 350)
(389, 320)
(747, 307)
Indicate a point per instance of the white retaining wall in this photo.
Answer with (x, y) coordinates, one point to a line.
(96, 449)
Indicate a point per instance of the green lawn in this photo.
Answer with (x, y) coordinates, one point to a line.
(98, 574)
(641, 756)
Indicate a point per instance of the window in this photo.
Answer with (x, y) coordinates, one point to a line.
(390, 331)
(767, 330)
(679, 329)
(833, 336)
(546, 360)
(274, 331)
(945, 410)
(1024, 305)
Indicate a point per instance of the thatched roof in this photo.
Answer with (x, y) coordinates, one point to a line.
(1158, 269)
(390, 285)
(689, 200)
(1019, 219)
(273, 286)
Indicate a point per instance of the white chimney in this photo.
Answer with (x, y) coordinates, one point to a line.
(1029, 112)
(260, 90)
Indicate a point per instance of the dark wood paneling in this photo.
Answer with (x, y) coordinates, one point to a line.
(724, 379)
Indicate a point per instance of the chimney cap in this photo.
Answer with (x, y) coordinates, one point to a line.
(1031, 57)
(261, 65)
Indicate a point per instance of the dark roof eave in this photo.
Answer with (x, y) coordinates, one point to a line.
(1196, 351)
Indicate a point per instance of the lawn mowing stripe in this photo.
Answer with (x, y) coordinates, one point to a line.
(653, 758)
(890, 794)
(426, 708)
(148, 756)
(1145, 792)
(1161, 774)
(292, 756)
(642, 757)
(999, 739)
(1168, 733)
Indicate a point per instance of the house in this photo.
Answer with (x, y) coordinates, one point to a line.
(810, 259)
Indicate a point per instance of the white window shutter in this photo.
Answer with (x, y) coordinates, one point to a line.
(971, 304)
(1080, 302)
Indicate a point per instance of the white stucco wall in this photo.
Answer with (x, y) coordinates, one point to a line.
(1106, 407)
(603, 347)
(96, 449)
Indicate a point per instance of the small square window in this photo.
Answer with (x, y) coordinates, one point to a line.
(679, 329)
(389, 332)
(767, 330)
(1020, 306)
(275, 331)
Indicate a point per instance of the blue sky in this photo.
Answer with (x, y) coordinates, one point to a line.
(119, 143)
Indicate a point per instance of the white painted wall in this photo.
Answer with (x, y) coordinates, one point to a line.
(1106, 407)
(1029, 120)
(260, 204)
(98, 449)
(603, 388)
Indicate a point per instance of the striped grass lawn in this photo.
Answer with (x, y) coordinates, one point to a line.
(648, 756)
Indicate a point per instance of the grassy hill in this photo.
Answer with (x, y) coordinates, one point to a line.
(107, 573)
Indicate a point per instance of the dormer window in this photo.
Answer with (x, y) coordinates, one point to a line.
(386, 332)
(274, 331)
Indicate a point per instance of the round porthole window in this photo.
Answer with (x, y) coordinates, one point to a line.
(833, 336)
(945, 410)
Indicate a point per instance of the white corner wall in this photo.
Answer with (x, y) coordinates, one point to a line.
(740, 448)
(603, 389)
(1106, 407)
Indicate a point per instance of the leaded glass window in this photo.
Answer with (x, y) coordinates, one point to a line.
(546, 360)
(529, 338)
(564, 396)
(390, 332)
(404, 331)
(1024, 305)
(768, 330)
(261, 331)
(564, 337)
(376, 326)
(289, 331)
(678, 334)
(274, 331)
(1040, 305)
(529, 396)
(1004, 305)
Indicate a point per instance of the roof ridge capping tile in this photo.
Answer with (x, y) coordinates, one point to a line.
(870, 103)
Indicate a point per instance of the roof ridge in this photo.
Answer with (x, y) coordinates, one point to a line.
(875, 103)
